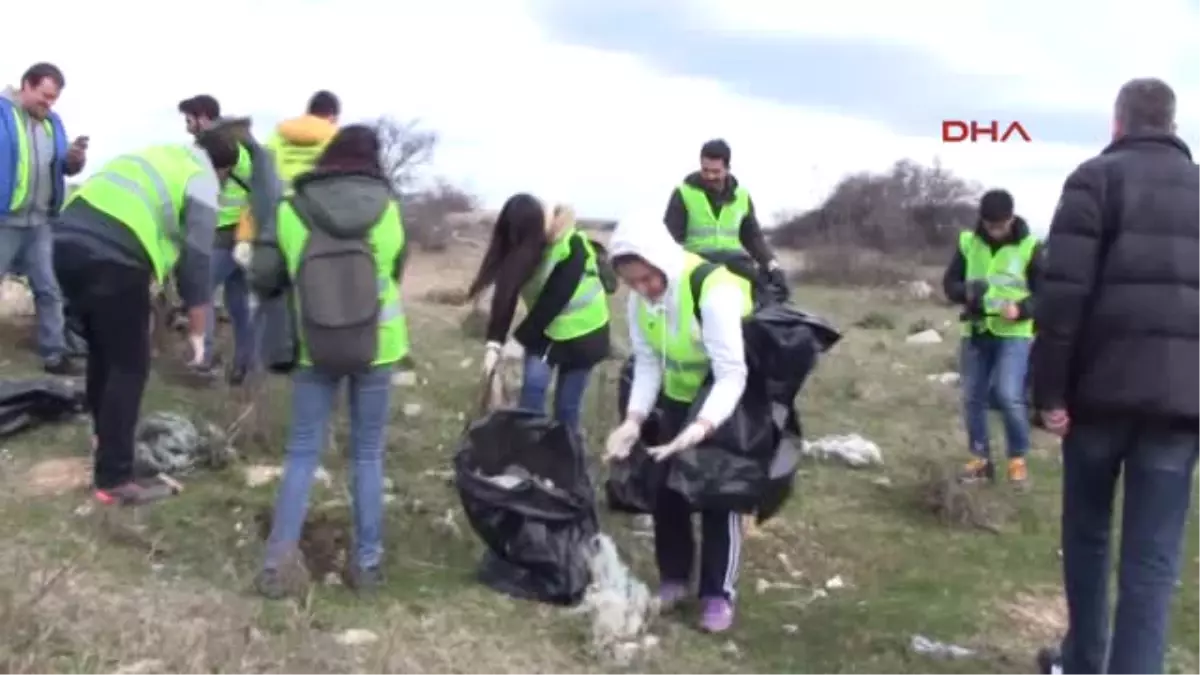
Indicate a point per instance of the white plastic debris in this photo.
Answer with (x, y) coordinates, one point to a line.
(926, 647)
(791, 628)
(852, 449)
(355, 637)
(919, 289)
(261, 474)
(619, 604)
(943, 378)
(412, 409)
(835, 583)
(925, 337)
(513, 476)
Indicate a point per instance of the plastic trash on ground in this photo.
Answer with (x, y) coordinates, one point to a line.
(173, 444)
(27, 403)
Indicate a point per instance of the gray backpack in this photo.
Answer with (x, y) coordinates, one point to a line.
(338, 289)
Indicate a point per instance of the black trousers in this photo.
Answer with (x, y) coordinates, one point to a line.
(113, 304)
(674, 539)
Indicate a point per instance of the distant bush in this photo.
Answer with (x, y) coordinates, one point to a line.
(907, 211)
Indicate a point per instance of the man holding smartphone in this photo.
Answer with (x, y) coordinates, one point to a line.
(32, 190)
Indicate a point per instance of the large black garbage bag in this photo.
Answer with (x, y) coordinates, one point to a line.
(749, 463)
(524, 486)
(278, 347)
(27, 403)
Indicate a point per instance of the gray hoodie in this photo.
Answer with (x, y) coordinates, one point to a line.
(354, 202)
(36, 209)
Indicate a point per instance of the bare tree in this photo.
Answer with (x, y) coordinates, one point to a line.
(405, 149)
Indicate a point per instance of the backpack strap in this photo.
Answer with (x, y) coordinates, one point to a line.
(696, 281)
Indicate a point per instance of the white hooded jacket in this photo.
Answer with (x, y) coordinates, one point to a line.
(722, 309)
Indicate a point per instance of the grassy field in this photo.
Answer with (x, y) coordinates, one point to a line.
(166, 588)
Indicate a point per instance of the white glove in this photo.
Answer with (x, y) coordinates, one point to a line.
(621, 440)
(491, 357)
(197, 344)
(242, 252)
(691, 435)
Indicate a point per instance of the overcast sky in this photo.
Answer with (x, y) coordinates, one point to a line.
(605, 104)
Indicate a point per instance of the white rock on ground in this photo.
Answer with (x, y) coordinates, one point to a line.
(919, 289)
(412, 409)
(925, 337)
(851, 449)
(15, 299)
(404, 378)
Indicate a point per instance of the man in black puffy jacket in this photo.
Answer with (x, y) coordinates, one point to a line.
(1116, 376)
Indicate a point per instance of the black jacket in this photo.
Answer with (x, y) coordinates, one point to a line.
(581, 352)
(1118, 311)
(751, 234)
(954, 279)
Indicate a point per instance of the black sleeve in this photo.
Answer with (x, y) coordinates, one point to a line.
(1032, 272)
(753, 239)
(1067, 278)
(556, 293)
(954, 281)
(676, 217)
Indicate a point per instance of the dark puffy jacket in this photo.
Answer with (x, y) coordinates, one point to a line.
(1118, 309)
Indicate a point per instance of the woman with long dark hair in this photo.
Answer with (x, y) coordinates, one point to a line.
(341, 250)
(536, 254)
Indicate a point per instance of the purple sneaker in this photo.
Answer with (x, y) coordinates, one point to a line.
(716, 615)
(670, 594)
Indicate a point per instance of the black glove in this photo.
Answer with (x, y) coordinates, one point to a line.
(976, 289)
(777, 284)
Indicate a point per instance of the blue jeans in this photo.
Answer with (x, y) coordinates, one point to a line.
(226, 271)
(1158, 464)
(30, 251)
(568, 393)
(313, 396)
(993, 371)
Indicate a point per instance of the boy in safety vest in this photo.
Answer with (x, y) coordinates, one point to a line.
(139, 218)
(673, 355)
(993, 275)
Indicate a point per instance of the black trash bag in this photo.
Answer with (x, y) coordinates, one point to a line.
(278, 348)
(749, 464)
(27, 403)
(537, 526)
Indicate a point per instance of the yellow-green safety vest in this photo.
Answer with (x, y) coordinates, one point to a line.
(292, 159)
(680, 348)
(1005, 273)
(234, 196)
(21, 180)
(387, 240)
(587, 309)
(145, 191)
(708, 231)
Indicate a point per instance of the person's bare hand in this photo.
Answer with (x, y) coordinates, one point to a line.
(1057, 421)
(1010, 311)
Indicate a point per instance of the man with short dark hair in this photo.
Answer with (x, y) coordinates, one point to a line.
(298, 142)
(993, 275)
(199, 112)
(252, 186)
(1115, 374)
(139, 218)
(711, 215)
(37, 158)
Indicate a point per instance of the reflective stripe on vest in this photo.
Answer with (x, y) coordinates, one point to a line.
(1005, 273)
(708, 231)
(145, 193)
(387, 241)
(234, 197)
(677, 340)
(24, 165)
(587, 310)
